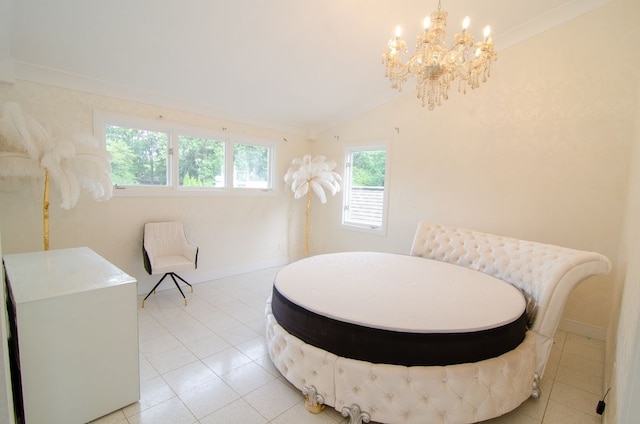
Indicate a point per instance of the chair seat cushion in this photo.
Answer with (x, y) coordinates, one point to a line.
(164, 264)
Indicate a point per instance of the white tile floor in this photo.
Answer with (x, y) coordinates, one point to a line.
(207, 363)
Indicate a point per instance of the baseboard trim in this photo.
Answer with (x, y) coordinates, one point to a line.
(582, 329)
(242, 269)
(202, 277)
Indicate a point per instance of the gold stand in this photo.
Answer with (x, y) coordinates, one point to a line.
(45, 209)
(306, 222)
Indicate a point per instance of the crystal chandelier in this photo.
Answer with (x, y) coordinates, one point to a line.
(436, 65)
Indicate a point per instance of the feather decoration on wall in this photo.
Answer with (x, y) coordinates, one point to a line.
(308, 176)
(29, 150)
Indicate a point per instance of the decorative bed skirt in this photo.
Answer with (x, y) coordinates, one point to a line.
(460, 393)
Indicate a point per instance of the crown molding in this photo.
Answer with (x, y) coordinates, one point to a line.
(57, 78)
(7, 70)
(547, 21)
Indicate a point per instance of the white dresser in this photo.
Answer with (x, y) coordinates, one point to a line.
(77, 328)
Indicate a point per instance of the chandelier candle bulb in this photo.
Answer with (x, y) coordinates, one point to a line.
(486, 33)
(465, 24)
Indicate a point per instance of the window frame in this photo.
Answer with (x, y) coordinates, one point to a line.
(354, 226)
(173, 188)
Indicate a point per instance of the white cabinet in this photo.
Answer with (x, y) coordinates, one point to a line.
(6, 396)
(77, 328)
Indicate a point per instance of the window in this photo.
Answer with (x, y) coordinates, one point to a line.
(201, 162)
(365, 193)
(250, 166)
(138, 157)
(159, 157)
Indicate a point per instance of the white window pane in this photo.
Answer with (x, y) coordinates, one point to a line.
(366, 206)
(365, 188)
(201, 162)
(251, 166)
(138, 157)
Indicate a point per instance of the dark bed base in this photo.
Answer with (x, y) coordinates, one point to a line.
(393, 347)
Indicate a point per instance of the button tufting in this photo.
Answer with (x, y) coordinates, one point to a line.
(527, 269)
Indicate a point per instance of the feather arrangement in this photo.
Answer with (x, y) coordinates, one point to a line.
(29, 150)
(308, 176)
(22, 133)
(316, 174)
(18, 165)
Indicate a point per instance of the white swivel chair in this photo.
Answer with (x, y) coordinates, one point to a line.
(165, 251)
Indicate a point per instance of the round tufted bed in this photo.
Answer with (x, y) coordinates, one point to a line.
(459, 337)
(436, 314)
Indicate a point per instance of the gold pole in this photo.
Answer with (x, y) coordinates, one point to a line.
(45, 209)
(306, 222)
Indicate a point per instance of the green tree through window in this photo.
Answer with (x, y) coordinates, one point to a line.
(369, 168)
(250, 166)
(146, 154)
(365, 188)
(201, 162)
(139, 157)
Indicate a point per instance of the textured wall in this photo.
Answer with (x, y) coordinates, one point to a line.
(541, 151)
(623, 345)
(235, 233)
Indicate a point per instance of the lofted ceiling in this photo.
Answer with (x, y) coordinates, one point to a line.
(295, 65)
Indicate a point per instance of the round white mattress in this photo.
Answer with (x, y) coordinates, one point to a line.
(400, 293)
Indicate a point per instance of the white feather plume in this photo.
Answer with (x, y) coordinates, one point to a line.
(18, 165)
(23, 133)
(27, 149)
(313, 174)
(92, 165)
(318, 191)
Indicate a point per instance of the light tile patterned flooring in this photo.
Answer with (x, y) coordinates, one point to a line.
(207, 363)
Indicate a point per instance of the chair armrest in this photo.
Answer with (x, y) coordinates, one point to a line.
(190, 252)
(147, 261)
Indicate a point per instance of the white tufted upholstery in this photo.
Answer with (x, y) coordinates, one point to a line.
(546, 272)
(300, 363)
(462, 393)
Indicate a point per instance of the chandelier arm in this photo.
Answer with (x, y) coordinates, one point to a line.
(435, 64)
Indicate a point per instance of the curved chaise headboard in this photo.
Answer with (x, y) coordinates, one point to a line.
(547, 273)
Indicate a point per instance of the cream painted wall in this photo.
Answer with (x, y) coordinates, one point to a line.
(541, 151)
(235, 234)
(622, 372)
